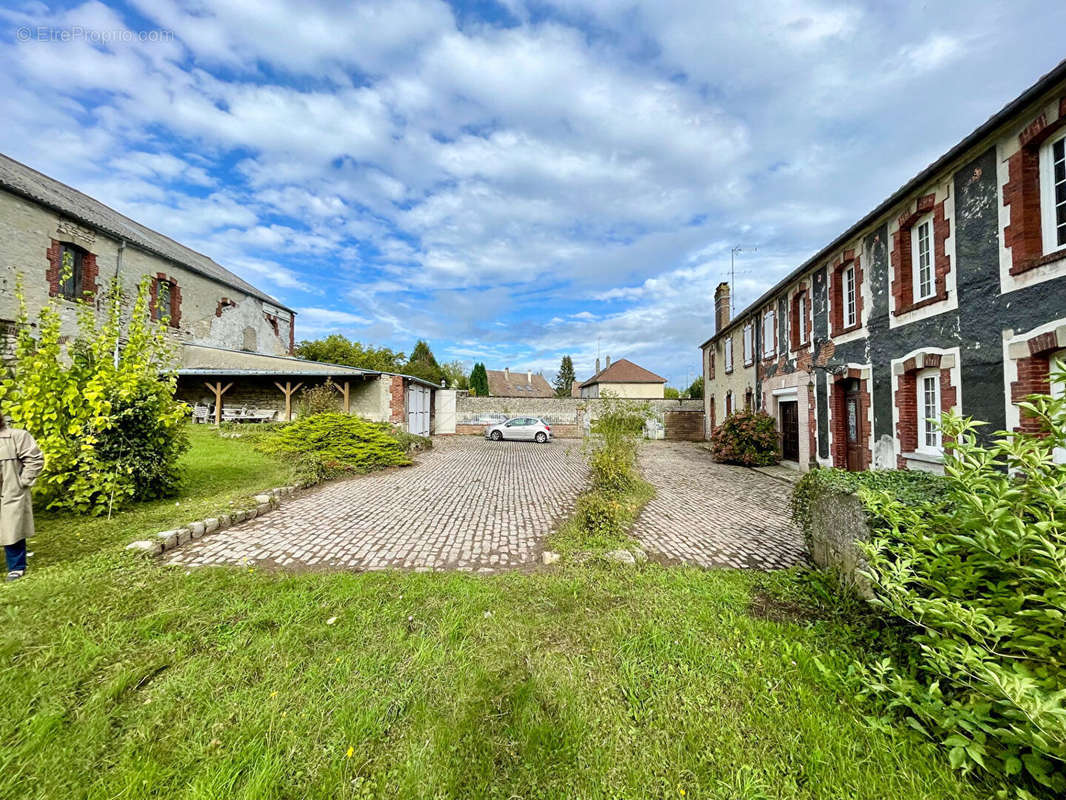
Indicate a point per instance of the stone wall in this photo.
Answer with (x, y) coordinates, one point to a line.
(566, 415)
(838, 521)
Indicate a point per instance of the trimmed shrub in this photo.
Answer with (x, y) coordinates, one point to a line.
(331, 445)
(748, 438)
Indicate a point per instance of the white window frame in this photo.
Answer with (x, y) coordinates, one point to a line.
(1047, 194)
(802, 309)
(749, 344)
(916, 257)
(848, 295)
(769, 338)
(728, 347)
(929, 436)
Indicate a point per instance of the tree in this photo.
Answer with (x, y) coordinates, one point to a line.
(670, 393)
(455, 374)
(422, 364)
(479, 381)
(564, 381)
(695, 391)
(338, 349)
(101, 406)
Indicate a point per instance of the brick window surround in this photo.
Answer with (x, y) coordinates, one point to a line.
(397, 401)
(903, 256)
(794, 320)
(174, 312)
(838, 419)
(906, 400)
(223, 304)
(1021, 195)
(54, 273)
(836, 285)
(1034, 373)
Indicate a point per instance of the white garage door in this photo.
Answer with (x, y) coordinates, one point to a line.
(418, 410)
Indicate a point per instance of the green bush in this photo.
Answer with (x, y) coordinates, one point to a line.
(981, 581)
(748, 438)
(905, 486)
(321, 399)
(331, 445)
(101, 405)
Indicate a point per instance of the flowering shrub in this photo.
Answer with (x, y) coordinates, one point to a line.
(748, 438)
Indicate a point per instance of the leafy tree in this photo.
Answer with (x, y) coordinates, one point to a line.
(565, 379)
(479, 380)
(422, 364)
(670, 393)
(695, 391)
(101, 406)
(455, 374)
(339, 349)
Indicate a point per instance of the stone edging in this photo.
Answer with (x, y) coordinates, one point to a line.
(168, 540)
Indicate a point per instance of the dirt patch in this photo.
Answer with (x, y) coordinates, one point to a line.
(776, 609)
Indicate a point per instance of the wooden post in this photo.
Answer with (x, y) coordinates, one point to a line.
(344, 392)
(218, 390)
(288, 390)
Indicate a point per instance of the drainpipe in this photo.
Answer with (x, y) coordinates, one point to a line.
(118, 269)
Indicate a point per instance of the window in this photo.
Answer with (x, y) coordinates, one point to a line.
(728, 403)
(929, 409)
(749, 344)
(802, 318)
(848, 295)
(1053, 193)
(163, 292)
(70, 271)
(922, 259)
(729, 354)
(1058, 389)
(769, 341)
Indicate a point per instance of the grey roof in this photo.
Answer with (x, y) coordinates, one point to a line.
(1001, 117)
(31, 184)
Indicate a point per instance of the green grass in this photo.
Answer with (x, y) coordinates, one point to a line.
(121, 678)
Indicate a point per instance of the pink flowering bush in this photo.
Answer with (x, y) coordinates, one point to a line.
(748, 438)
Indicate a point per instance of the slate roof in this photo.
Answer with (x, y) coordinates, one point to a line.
(31, 184)
(517, 385)
(624, 371)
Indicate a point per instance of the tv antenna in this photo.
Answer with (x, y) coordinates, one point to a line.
(733, 274)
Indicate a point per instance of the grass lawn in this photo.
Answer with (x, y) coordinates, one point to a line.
(121, 678)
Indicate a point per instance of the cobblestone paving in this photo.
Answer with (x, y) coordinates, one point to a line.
(468, 504)
(715, 515)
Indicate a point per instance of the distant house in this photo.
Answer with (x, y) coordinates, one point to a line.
(504, 383)
(623, 378)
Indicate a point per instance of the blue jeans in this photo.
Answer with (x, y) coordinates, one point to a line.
(16, 556)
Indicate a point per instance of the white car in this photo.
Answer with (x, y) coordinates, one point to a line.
(523, 429)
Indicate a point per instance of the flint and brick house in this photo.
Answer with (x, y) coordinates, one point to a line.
(67, 246)
(951, 294)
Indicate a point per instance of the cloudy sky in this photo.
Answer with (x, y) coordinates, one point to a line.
(511, 180)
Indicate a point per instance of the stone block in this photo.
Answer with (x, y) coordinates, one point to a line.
(184, 536)
(167, 539)
(838, 521)
(260, 499)
(548, 557)
(197, 529)
(620, 557)
(211, 524)
(262, 508)
(224, 521)
(146, 548)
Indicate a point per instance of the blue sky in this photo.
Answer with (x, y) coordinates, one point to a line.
(510, 180)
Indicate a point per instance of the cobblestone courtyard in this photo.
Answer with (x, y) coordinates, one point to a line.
(715, 515)
(468, 504)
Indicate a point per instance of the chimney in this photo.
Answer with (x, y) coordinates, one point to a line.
(721, 306)
(597, 365)
(507, 373)
(608, 364)
(529, 376)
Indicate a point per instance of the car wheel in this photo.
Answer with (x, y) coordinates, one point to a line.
(496, 436)
(541, 438)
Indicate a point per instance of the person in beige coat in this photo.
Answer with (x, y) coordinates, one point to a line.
(21, 461)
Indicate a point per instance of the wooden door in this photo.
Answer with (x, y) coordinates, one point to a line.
(853, 414)
(790, 434)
